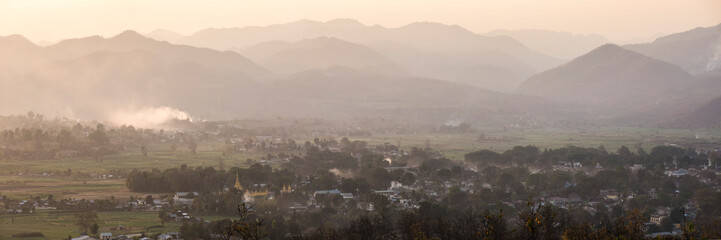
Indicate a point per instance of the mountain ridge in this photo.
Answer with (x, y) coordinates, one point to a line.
(616, 82)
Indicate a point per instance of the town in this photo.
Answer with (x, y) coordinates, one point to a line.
(325, 186)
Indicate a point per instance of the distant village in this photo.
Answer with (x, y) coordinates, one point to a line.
(362, 177)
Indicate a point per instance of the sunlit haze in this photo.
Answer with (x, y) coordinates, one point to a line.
(360, 119)
(619, 20)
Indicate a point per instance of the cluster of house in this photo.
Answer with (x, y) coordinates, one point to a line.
(109, 236)
(573, 167)
(253, 143)
(612, 197)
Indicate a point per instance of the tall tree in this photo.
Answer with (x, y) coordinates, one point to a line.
(98, 137)
(84, 218)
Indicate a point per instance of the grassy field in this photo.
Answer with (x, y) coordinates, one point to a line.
(454, 146)
(32, 182)
(23, 187)
(159, 156)
(56, 224)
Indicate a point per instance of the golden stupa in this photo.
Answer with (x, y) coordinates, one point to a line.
(237, 185)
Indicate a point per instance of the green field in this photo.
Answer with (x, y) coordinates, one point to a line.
(454, 146)
(23, 187)
(159, 156)
(56, 224)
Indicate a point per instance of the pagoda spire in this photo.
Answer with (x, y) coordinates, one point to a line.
(237, 185)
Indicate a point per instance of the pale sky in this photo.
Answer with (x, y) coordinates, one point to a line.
(47, 20)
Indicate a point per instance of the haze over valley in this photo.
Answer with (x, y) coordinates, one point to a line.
(321, 119)
(343, 69)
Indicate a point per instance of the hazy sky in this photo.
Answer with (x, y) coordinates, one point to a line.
(616, 19)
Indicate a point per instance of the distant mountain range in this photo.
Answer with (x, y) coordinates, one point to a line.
(422, 49)
(318, 53)
(423, 72)
(608, 75)
(697, 50)
(561, 45)
(85, 77)
(345, 93)
(164, 35)
(91, 78)
(623, 86)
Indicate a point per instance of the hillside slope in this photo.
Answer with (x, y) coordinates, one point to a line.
(618, 82)
(696, 51)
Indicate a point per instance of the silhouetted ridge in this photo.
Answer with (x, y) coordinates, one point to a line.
(696, 51)
(615, 81)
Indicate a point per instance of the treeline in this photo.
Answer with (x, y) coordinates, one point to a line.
(658, 158)
(438, 221)
(36, 143)
(38, 138)
(204, 180)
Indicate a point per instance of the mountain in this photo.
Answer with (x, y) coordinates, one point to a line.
(708, 115)
(561, 45)
(16, 48)
(318, 53)
(337, 93)
(131, 41)
(450, 43)
(131, 76)
(164, 35)
(697, 50)
(482, 68)
(423, 35)
(615, 81)
(89, 77)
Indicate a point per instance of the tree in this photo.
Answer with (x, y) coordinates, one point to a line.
(540, 222)
(246, 226)
(94, 228)
(144, 150)
(98, 136)
(64, 139)
(192, 145)
(688, 231)
(85, 218)
(630, 225)
(162, 214)
(666, 224)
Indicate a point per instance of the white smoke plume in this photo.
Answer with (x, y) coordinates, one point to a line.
(395, 185)
(453, 122)
(248, 198)
(341, 173)
(147, 117)
(715, 60)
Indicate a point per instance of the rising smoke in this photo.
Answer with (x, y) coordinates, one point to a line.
(147, 117)
(715, 60)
